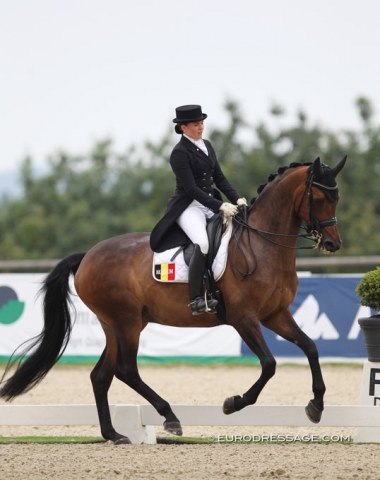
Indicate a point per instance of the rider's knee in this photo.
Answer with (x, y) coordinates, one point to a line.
(203, 245)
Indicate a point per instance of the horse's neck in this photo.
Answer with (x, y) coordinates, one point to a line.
(273, 212)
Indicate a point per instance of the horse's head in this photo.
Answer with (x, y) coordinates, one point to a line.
(316, 204)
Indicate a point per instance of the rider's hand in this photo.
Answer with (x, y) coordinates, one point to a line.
(242, 202)
(228, 210)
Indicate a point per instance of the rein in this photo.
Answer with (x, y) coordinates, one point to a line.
(313, 235)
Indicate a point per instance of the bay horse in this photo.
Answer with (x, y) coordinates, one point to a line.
(114, 280)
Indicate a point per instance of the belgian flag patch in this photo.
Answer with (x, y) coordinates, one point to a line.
(165, 272)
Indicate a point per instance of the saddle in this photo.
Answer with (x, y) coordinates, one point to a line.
(172, 265)
(215, 230)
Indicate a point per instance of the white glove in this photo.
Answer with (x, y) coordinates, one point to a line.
(228, 210)
(242, 202)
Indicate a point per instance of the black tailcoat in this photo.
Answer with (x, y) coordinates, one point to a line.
(197, 175)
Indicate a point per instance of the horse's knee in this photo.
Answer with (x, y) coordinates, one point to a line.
(269, 367)
(308, 346)
(311, 350)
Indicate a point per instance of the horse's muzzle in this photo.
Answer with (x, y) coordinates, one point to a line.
(330, 245)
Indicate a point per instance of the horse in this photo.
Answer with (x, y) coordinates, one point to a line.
(114, 280)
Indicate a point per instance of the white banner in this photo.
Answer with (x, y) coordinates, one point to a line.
(21, 318)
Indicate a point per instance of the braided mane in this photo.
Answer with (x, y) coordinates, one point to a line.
(280, 171)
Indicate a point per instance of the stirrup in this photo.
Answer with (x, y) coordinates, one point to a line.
(198, 306)
(211, 302)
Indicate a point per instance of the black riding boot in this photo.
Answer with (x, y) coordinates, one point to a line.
(196, 273)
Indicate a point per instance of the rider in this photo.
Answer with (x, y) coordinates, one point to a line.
(197, 170)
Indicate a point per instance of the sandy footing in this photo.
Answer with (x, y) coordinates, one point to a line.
(195, 386)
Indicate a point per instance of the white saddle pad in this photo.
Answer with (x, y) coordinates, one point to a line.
(166, 269)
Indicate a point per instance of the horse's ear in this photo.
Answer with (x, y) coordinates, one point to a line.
(317, 167)
(339, 167)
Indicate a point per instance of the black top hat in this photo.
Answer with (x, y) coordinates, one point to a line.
(189, 113)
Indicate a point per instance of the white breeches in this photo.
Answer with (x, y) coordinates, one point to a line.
(193, 222)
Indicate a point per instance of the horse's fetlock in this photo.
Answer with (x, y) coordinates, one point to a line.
(240, 402)
(319, 392)
(164, 409)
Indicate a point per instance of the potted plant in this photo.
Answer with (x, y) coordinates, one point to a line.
(368, 290)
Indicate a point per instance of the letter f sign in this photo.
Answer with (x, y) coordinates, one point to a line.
(373, 380)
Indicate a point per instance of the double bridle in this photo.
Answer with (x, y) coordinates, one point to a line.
(313, 227)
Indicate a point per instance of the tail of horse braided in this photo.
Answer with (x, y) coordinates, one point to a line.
(44, 350)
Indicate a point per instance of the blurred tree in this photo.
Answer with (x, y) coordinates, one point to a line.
(84, 199)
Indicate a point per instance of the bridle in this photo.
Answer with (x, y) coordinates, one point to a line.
(313, 227)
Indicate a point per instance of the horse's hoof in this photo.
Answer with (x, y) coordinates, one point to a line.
(122, 441)
(173, 428)
(229, 405)
(313, 413)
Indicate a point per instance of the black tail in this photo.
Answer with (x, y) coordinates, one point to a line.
(50, 344)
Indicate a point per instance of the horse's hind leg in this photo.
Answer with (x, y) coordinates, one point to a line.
(101, 378)
(251, 333)
(128, 373)
(284, 324)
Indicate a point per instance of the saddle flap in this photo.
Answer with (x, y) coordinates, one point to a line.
(215, 229)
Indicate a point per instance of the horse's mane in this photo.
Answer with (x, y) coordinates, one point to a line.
(280, 171)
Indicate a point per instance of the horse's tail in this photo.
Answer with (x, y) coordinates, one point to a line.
(46, 348)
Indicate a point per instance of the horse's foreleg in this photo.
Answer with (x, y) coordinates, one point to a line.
(128, 373)
(251, 333)
(284, 325)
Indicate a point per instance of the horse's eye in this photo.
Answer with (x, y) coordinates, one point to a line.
(318, 201)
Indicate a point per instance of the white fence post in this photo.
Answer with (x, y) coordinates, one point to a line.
(127, 421)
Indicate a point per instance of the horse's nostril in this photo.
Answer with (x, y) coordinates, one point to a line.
(331, 246)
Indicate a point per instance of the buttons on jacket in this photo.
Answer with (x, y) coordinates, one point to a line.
(205, 182)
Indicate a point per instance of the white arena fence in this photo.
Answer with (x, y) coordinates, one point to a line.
(138, 421)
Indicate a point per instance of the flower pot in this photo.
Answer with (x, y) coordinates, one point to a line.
(370, 327)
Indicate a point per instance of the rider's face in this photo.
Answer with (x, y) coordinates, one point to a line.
(193, 130)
